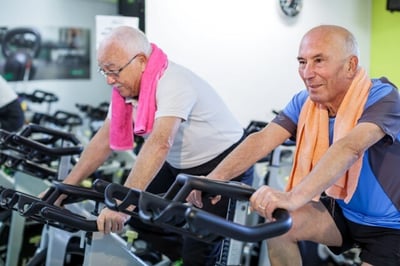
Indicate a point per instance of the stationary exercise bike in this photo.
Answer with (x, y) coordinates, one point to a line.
(30, 160)
(58, 245)
(170, 211)
(39, 97)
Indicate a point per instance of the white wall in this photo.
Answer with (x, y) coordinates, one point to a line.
(246, 49)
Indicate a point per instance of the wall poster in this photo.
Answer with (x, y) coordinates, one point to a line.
(40, 53)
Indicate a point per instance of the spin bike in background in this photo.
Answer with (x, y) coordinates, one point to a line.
(37, 97)
(59, 120)
(69, 230)
(93, 118)
(33, 158)
(57, 246)
(117, 167)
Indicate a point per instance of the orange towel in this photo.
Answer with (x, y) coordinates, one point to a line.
(313, 137)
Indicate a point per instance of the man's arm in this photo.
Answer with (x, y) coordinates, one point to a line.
(252, 149)
(153, 153)
(340, 156)
(337, 160)
(92, 157)
(151, 157)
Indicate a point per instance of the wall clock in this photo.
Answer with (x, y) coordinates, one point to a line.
(291, 8)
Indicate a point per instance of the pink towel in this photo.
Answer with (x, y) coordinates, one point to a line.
(122, 130)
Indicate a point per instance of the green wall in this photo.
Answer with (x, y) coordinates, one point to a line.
(385, 42)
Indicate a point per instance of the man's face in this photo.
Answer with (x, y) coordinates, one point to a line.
(323, 66)
(121, 70)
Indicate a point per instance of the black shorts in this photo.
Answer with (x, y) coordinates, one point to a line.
(379, 245)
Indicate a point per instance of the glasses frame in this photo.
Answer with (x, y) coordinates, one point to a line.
(115, 73)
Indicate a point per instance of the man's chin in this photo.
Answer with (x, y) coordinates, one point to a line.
(123, 94)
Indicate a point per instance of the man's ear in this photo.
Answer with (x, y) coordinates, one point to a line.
(353, 63)
(143, 62)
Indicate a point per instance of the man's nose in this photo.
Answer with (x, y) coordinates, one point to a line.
(308, 71)
(110, 80)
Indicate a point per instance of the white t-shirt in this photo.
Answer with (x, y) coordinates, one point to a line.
(7, 94)
(208, 127)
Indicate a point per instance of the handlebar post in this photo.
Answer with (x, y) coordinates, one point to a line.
(96, 210)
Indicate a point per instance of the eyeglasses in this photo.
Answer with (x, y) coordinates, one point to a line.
(115, 73)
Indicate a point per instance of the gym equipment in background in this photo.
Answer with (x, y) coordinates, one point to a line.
(119, 163)
(59, 244)
(40, 97)
(33, 158)
(19, 47)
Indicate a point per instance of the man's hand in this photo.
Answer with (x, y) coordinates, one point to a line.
(59, 200)
(111, 221)
(266, 199)
(195, 197)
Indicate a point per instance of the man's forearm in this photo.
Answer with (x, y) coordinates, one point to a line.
(93, 156)
(252, 149)
(150, 160)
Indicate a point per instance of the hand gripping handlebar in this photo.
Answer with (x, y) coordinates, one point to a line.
(171, 212)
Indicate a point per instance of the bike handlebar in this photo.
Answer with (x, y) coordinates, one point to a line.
(33, 155)
(38, 170)
(171, 211)
(54, 134)
(39, 96)
(94, 113)
(62, 119)
(45, 211)
(31, 148)
(67, 220)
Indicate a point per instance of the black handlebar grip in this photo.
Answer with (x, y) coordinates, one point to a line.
(44, 96)
(100, 185)
(30, 129)
(64, 118)
(126, 196)
(67, 218)
(215, 224)
(77, 193)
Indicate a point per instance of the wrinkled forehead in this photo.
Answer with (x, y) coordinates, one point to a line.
(321, 42)
(109, 54)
